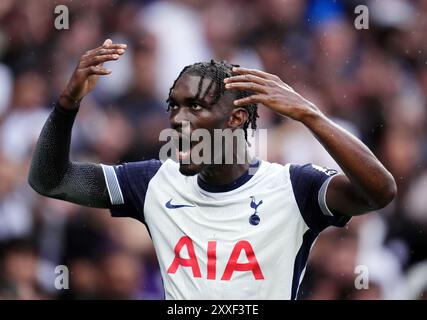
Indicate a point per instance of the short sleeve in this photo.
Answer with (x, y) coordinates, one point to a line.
(127, 185)
(309, 184)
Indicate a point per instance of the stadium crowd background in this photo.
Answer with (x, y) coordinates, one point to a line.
(373, 82)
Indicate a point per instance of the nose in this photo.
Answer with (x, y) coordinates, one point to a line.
(178, 118)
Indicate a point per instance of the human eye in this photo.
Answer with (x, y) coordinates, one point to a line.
(173, 107)
(196, 107)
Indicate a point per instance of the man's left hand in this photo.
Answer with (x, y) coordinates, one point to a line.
(271, 91)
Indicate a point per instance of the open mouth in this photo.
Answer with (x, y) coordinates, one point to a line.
(184, 147)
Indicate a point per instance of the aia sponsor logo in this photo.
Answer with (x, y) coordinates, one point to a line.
(241, 248)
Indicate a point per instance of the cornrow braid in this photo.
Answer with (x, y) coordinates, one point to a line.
(217, 71)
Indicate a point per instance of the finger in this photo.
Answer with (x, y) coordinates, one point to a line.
(250, 86)
(96, 70)
(116, 46)
(107, 42)
(245, 78)
(99, 60)
(287, 86)
(256, 98)
(258, 73)
(102, 50)
(107, 45)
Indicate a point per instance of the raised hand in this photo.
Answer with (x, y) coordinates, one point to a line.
(271, 91)
(87, 72)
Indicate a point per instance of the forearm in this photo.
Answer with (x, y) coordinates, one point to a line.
(52, 173)
(371, 184)
(366, 185)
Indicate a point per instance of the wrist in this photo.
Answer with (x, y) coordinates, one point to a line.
(65, 101)
(310, 114)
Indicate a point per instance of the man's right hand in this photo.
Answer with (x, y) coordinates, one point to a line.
(87, 72)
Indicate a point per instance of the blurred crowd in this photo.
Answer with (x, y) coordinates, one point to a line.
(372, 82)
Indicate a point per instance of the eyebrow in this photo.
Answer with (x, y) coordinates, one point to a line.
(197, 100)
(188, 100)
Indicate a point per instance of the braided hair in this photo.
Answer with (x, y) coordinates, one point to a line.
(217, 71)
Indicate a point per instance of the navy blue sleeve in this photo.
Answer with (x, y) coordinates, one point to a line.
(127, 194)
(309, 184)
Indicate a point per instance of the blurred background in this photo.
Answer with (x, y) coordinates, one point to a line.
(372, 82)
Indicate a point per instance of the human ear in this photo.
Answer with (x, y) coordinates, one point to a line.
(238, 118)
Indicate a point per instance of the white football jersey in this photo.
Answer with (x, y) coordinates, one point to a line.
(246, 240)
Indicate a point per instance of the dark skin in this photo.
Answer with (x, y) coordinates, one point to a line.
(365, 184)
(202, 113)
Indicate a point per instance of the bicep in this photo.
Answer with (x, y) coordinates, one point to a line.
(344, 198)
(310, 185)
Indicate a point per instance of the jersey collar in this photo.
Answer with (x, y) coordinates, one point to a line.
(253, 167)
